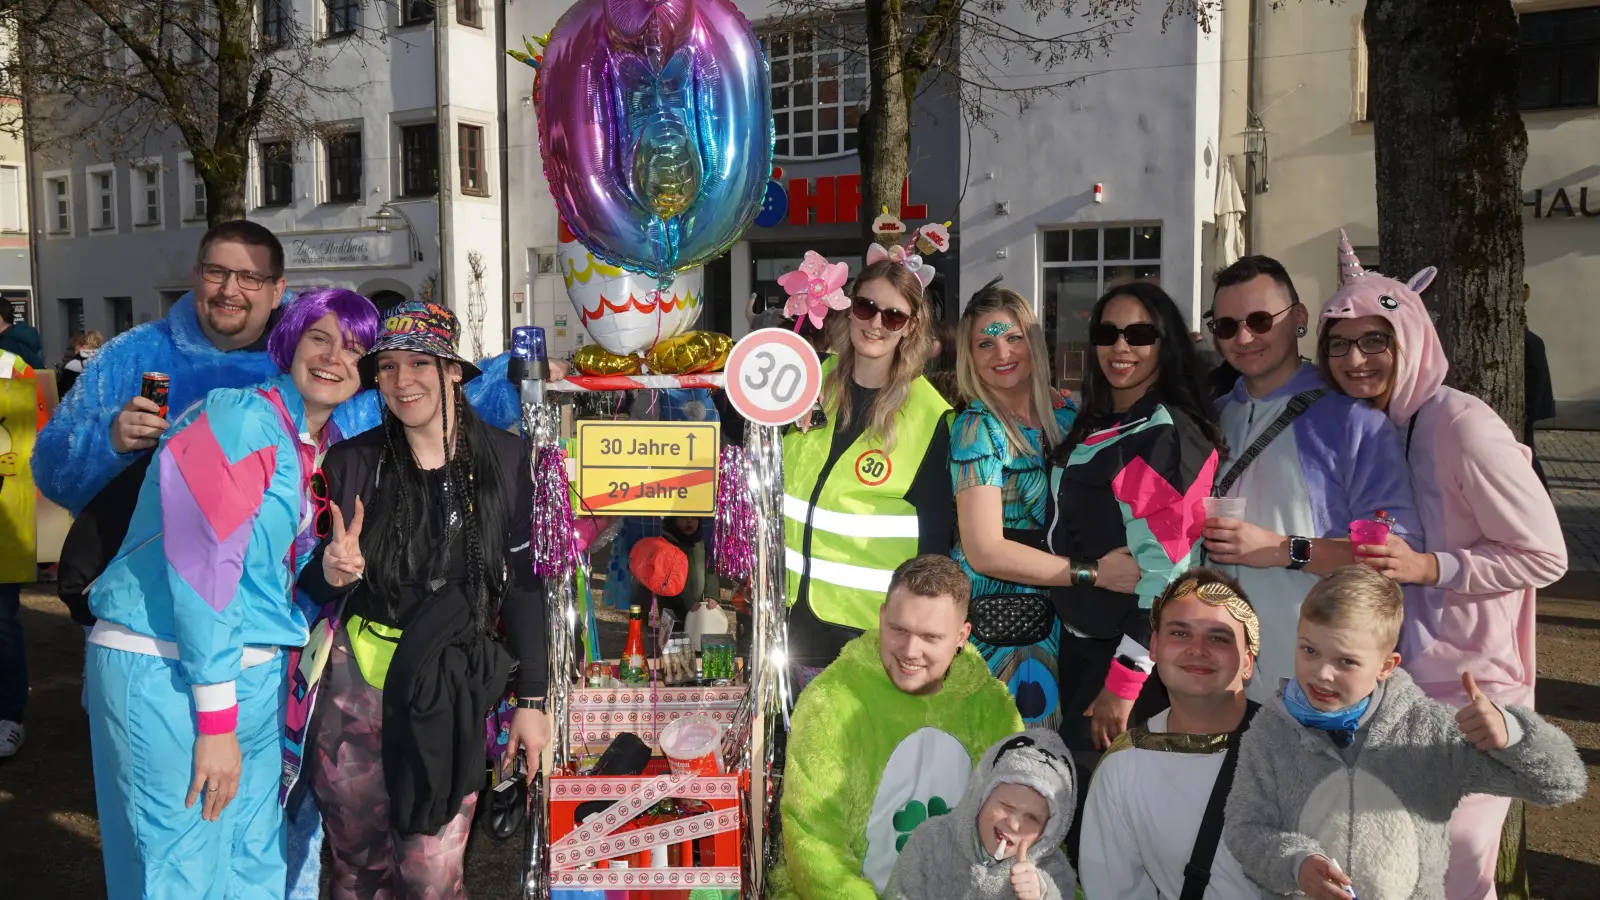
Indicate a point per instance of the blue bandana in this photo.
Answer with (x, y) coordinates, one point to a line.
(1341, 725)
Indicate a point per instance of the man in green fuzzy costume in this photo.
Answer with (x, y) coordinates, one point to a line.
(884, 739)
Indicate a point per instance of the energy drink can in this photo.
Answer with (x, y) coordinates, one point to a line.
(154, 388)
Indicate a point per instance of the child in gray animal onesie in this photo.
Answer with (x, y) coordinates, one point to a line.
(1348, 777)
(1003, 840)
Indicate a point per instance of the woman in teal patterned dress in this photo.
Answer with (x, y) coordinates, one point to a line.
(998, 448)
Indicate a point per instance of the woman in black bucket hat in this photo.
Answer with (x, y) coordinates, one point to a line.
(397, 745)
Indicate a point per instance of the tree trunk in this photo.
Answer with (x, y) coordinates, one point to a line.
(1450, 147)
(237, 114)
(885, 130)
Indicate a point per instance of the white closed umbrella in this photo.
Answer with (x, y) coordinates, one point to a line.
(1229, 210)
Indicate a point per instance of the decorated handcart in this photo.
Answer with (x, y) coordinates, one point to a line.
(655, 132)
(592, 833)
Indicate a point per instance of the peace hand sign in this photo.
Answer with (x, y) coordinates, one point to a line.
(342, 562)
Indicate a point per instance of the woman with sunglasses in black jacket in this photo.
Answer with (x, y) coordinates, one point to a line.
(1133, 472)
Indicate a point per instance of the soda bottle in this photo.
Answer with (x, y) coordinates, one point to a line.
(632, 670)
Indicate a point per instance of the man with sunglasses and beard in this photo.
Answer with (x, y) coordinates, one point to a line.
(1307, 461)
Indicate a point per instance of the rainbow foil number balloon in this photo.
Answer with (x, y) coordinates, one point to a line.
(655, 124)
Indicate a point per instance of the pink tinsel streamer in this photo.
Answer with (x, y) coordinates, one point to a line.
(554, 539)
(736, 518)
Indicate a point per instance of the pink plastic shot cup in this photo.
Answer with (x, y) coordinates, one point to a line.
(1368, 532)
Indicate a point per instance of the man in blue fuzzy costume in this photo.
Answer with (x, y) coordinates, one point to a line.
(214, 337)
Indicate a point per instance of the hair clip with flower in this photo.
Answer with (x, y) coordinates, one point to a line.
(814, 288)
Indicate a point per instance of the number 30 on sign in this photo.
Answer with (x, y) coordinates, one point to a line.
(774, 376)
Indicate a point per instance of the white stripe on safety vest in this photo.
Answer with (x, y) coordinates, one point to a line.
(842, 574)
(848, 524)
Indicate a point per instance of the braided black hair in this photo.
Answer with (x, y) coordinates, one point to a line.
(477, 508)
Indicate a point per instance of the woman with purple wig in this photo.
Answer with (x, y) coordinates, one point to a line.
(196, 620)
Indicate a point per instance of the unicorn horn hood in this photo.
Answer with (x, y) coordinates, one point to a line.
(1420, 363)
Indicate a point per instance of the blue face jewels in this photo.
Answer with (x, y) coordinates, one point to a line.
(995, 329)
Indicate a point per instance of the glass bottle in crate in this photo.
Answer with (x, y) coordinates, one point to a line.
(631, 669)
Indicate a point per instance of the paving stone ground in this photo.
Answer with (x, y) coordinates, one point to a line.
(1571, 462)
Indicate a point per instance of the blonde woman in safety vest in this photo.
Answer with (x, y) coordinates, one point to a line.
(869, 488)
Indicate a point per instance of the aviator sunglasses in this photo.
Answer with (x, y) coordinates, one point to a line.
(864, 309)
(1259, 322)
(1139, 334)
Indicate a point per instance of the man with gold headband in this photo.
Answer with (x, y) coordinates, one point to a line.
(1153, 818)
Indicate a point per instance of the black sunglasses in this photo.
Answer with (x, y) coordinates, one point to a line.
(864, 309)
(1259, 322)
(1372, 343)
(1139, 334)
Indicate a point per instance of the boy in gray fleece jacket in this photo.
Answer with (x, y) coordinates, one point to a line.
(1003, 840)
(1348, 778)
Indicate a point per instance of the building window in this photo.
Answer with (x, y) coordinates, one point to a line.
(195, 201)
(1561, 59)
(1079, 265)
(416, 12)
(72, 315)
(13, 205)
(344, 168)
(819, 90)
(277, 174)
(105, 200)
(469, 12)
(120, 311)
(419, 160)
(147, 196)
(342, 16)
(473, 179)
(60, 205)
(275, 23)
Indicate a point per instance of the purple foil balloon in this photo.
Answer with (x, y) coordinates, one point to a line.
(655, 124)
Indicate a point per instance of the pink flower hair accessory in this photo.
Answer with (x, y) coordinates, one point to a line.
(815, 288)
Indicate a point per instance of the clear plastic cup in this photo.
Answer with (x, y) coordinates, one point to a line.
(1368, 532)
(693, 745)
(1225, 507)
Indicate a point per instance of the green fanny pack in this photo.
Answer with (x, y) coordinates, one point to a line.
(373, 646)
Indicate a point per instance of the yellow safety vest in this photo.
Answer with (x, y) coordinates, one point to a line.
(861, 526)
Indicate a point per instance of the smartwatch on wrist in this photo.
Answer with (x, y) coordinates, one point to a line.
(1299, 552)
(531, 703)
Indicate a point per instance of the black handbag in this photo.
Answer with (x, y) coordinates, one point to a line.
(1012, 620)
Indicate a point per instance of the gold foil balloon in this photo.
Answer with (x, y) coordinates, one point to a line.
(689, 354)
(593, 359)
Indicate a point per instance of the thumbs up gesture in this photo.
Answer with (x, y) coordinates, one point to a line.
(342, 562)
(1025, 881)
(1480, 721)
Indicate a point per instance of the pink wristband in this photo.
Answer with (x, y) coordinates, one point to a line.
(220, 721)
(1125, 682)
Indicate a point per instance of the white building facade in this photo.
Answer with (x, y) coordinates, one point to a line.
(1143, 124)
(116, 239)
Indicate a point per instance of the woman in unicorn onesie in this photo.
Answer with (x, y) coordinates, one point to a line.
(1492, 534)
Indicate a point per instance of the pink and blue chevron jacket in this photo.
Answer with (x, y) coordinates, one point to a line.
(210, 560)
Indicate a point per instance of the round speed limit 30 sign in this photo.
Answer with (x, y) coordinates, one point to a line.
(773, 376)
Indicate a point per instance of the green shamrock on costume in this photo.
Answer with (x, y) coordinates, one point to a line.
(913, 814)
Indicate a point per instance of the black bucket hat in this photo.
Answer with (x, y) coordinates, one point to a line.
(421, 327)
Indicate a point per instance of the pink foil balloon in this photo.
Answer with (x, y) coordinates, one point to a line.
(655, 124)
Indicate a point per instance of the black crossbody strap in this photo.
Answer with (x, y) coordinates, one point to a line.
(1411, 432)
(1299, 404)
(1197, 874)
